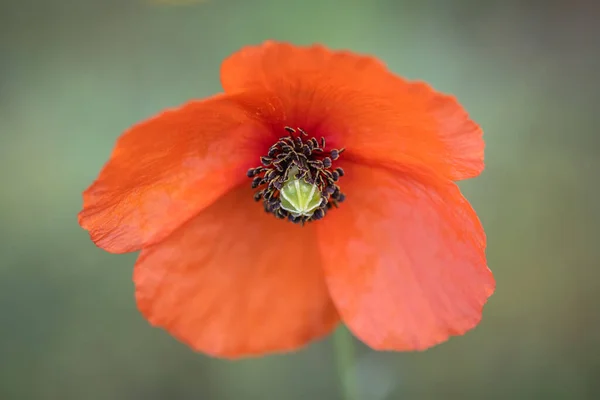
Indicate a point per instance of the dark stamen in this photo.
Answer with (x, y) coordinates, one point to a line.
(266, 161)
(297, 159)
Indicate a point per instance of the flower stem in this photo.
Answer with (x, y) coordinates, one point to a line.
(345, 358)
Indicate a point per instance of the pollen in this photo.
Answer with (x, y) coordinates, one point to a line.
(297, 179)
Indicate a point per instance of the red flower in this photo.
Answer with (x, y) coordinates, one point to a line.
(391, 248)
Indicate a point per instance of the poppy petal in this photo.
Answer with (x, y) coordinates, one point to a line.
(165, 170)
(404, 260)
(235, 281)
(357, 103)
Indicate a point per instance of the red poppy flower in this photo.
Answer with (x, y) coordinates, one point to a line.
(318, 187)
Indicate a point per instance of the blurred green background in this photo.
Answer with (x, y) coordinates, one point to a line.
(75, 74)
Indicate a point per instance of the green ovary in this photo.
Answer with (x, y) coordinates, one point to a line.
(300, 198)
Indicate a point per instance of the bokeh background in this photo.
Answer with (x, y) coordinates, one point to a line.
(75, 74)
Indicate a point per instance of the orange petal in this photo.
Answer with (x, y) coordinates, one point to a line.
(357, 103)
(235, 281)
(404, 261)
(165, 170)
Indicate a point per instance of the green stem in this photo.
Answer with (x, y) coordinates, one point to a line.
(345, 359)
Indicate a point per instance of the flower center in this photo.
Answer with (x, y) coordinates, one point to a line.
(297, 180)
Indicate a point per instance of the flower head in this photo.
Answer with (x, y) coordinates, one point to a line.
(318, 187)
